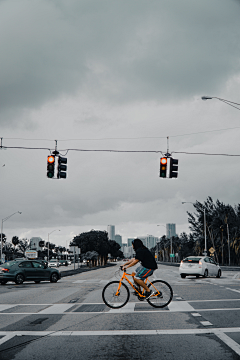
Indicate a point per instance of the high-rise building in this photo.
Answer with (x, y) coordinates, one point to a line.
(118, 239)
(111, 232)
(171, 230)
(149, 241)
(129, 241)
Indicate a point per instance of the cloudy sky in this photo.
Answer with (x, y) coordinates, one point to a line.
(116, 75)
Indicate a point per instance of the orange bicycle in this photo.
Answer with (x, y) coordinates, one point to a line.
(116, 293)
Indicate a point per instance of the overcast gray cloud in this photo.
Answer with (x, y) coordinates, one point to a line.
(109, 70)
(117, 51)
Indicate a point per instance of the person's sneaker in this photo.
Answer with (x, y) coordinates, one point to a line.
(147, 294)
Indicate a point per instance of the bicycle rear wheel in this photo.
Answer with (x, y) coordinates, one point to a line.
(111, 298)
(162, 294)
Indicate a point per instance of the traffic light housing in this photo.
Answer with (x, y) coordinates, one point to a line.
(163, 167)
(62, 167)
(50, 166)
(173, 168)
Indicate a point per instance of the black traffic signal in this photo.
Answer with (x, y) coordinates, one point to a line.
(173, 168)
(50, 166)
(62, 168)
(163, 167)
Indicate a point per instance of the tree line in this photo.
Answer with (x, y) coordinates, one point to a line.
(222, 234)
(95, 247)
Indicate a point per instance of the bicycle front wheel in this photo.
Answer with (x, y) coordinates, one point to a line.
(112, 297)
(162, 294)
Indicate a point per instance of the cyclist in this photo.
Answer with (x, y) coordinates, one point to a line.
(147, 267)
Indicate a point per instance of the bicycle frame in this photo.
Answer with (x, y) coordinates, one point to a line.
(124, 277)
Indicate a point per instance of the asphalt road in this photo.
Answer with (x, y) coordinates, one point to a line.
(68, 320)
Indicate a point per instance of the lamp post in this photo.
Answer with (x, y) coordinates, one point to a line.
(204, 219)
(5, 219)
(48, 240)
(228, 102)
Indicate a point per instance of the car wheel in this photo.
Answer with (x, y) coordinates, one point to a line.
(3, 282)
(37, 282)
(183, 276)
(205, 273)
(19, 279)
(54, 278)
(219, 274)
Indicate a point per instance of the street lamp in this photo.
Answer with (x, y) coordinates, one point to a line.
(5, 219)
(205, 236)
(48, 240)
(228, 102)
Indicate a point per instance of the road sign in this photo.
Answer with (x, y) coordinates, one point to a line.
(172, 255)
(211, 250)
(31, 254)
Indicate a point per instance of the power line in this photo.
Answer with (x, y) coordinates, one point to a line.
(122, 151)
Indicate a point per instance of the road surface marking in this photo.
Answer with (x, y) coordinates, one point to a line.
(205, 323)
(123, 332)
(178, 306)
(238, 291)
(129, 307)
(228, 341)
(56, 309)
(196, 314)
(6, 338)
(5, 307)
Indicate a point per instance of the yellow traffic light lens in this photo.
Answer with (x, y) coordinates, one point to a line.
(163, 161)
(51, 159)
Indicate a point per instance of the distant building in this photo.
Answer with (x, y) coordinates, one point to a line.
(128, 251)
(118, 239)
(111, 232)
(34, 243)
(149, 241)
(129, 241)
(171, 230)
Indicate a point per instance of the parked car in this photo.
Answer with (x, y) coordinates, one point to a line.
(27, 270)
(69, 262)
(63, 262)
(199, 266)
(53, 263)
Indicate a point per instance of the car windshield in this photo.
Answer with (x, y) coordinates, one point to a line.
(53, 260)
(9, 264)
(192, 260)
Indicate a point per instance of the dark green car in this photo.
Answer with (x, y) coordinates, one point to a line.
(27, 270)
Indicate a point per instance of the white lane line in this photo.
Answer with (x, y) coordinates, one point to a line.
(122, 332)
(6, 338)
(196, 314)
(56, 309)
(79, 281)
(205, 323)
(238, 291)
(178, 306)
(128, 308)
(228, 341)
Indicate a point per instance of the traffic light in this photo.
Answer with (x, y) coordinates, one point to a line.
(62, 168)
(173, 168)
(50, 166)
(163, 167)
